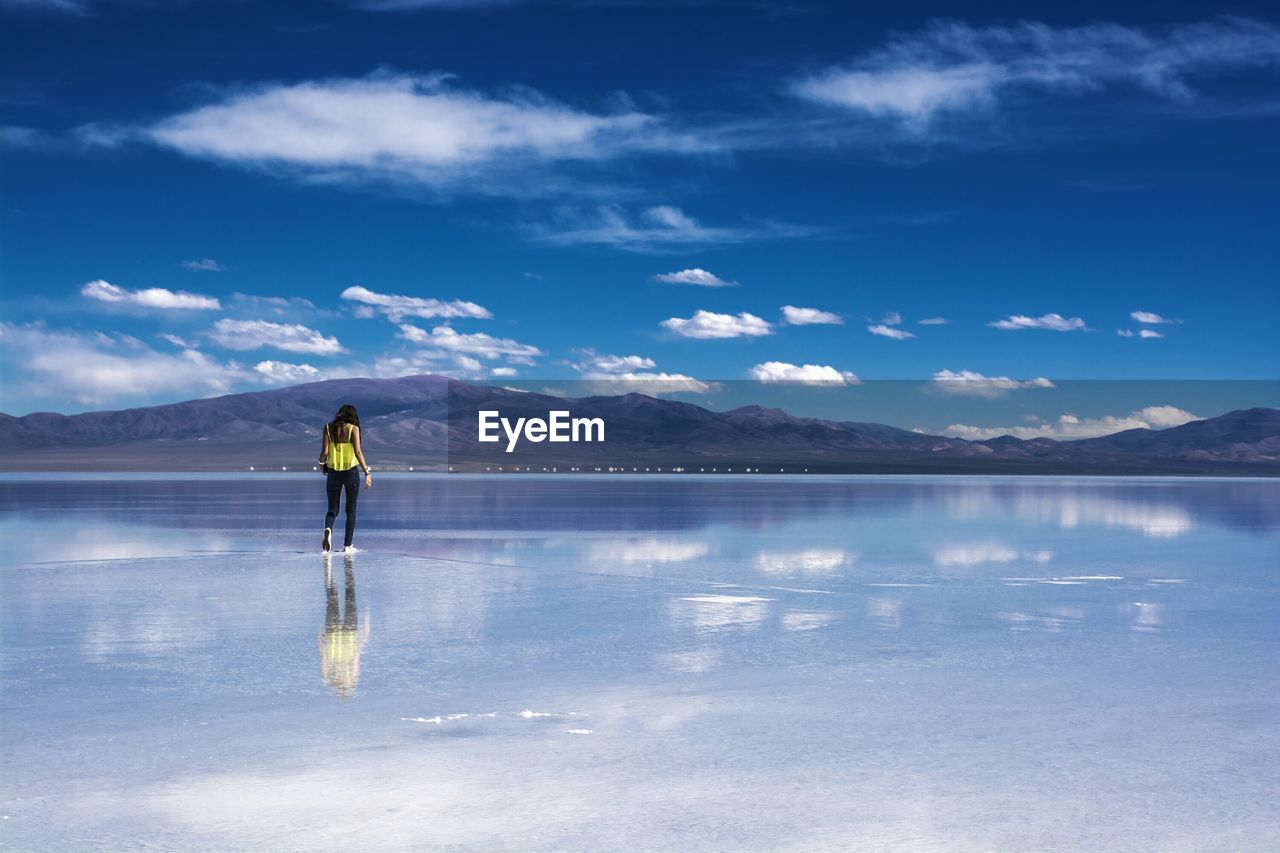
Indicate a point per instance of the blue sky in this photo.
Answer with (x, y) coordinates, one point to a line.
(216, 196)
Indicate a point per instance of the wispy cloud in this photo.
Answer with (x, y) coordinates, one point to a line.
(278, 306)
(283, 373)
(1054, 322)
(204, 265)
(708, 325)
(621, 374)
(96, 369)
(397, 308)
(1068, 426)
(809, 316)
(974, 384)
(593, 363)
(182, 343)
(654, 229)
(478, 344)
(422, 129)
(695, 276)
(934, 321)
(257, 334)
(148, 297)
(1151, 317)
(954, 68)
(890, 332)
(1141, 333)
(805, 374)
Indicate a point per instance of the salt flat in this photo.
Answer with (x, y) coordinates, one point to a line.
(632, 663)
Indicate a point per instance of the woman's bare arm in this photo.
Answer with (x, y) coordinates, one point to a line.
(324, 445)
(355, 444)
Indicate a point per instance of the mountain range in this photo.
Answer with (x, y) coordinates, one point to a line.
(428, 422)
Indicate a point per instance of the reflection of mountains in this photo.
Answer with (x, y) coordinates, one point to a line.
(415, 504)
(530, 505)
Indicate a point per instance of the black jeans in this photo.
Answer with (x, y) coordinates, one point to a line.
(335, 482)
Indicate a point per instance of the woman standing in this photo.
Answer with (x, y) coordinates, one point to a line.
(339, 456)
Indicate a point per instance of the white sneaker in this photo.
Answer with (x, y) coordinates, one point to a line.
(350, 549)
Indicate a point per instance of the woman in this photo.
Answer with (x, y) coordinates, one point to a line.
(339, 455)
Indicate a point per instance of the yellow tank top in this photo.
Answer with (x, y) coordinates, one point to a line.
(342, 455)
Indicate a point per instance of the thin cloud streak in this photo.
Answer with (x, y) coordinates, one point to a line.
(953, 68)
(655, 229)
(149, 297)
(1054, 322)
(397, 308)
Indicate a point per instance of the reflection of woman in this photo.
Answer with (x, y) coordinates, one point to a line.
(342, 637)
(340, 454)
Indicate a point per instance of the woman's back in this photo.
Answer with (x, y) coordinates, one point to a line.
(342, 453)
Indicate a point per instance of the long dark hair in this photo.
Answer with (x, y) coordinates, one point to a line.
(347, 414)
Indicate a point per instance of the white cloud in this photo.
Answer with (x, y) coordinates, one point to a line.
(595, 363)
(809, 316)
(807, 374)
(913, 94)
(204, 265)
(655, 384)
(953, 68)
(278, 306)
(890, 332)
(476, 344)
(706, 325)
(149, 297)
(655, 229)
(283, 373)
(418, 128)
(934, 321)
(1056, 322)
(1151, 318)
(622, 374)
(1141, 333)
(102, 369)
(175, 340)
(891, 318)
(1068, 427)
(971, 383)
(503, 371)
(391, 366)
(397, 308)
(255, 334)
(695, 276)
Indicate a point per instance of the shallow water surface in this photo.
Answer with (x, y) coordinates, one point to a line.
(642, 663)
